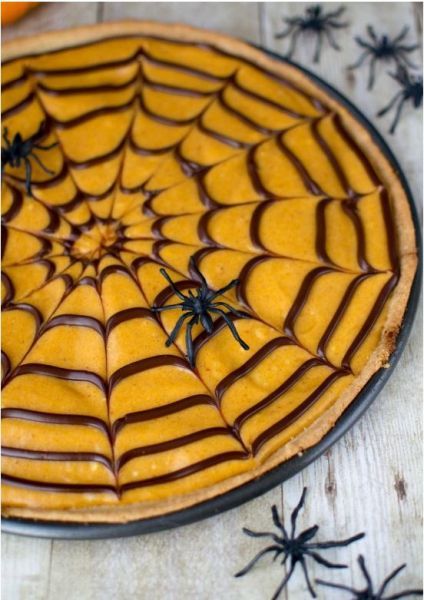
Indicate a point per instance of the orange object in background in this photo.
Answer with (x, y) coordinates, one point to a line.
(12, 11)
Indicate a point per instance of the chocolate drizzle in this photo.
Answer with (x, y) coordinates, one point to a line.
(249, 365)
(217, 96)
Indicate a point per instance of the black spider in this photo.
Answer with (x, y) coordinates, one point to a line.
(412, 89)
(384, 49)
(19, 150)
(315, 22)
(198, 307)
(368, 593)
(295, 548)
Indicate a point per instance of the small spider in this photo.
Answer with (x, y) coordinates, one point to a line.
(383, 49)
(412, 89)
(21, 150)
(315, 22)
(295, 548)
(368, 593)
(198, 307)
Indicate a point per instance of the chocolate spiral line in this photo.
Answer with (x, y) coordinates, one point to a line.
(289, 419)
(186, 471)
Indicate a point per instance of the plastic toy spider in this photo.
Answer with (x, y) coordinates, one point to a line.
(198, 307)
(368, 593)
(384, 49)
(21, 150)
(295, 548)
(412, 89)
(315, 22)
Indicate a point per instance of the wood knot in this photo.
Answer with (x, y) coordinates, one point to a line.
(400, 487)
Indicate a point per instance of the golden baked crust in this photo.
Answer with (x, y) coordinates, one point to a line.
(165, 220)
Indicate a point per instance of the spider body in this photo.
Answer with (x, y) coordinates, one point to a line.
(199, 308)
(383, 49)
(412, 89)
(295, 548)
(369, 593)
(315, 22)
(19, 151)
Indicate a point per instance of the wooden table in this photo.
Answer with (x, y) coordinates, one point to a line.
(369, 481)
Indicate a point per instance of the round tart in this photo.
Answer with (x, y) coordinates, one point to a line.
(160, 163)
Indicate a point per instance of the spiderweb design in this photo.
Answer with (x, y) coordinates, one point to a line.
(168, 151)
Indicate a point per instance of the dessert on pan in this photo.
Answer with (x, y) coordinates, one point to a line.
(205, 258)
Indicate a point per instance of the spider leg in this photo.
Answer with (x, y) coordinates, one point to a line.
(283, 583)
(258, 534)
(277, 521)
(401, 35)
(337, 586)
(28, 173)
(189, 341)
(293, 42)
(324, 562)
(318, 47)
(405, 59)
(410, 48)
(371, 76)
(166, 307)
(392, 102)
(364, 570)
(231, 326)
(360, 60)
(328, 33)
(363, 44)
(342, 543)
(254, 560)
(335, 25)
(6, 137)
(307, 535)
(372, 34)
(405, 594)
(229, 286)
(401, 75)
(40, 147)
(37, 160)
(193, 267)
(172, 336)
(397, 116)
(172, 284)
(336, 13)
(292, 20)
(389, 579)
(308, 582)
(296, 511)
(230, 308)
(285, 33)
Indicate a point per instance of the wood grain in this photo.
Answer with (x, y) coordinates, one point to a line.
(370, 481)
(51, 16)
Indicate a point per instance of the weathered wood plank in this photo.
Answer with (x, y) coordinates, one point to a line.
(51, 16)
(240, 19)
(25, 571)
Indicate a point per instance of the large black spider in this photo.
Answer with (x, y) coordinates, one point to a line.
(198, 307)
(412, 89)
(368, 593)
(315, 22)
(295, 548)
(19, 150)
(385, 49)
